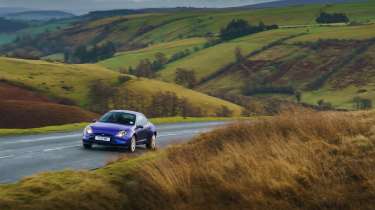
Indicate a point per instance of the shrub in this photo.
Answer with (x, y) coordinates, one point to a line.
(123, 78)
(224, 112)
(185, 77)
(332, 18)
(362, 103)
(239, 27)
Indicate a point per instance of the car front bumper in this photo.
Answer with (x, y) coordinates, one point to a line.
(114, 141)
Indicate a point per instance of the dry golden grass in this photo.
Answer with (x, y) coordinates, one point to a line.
(299, 160)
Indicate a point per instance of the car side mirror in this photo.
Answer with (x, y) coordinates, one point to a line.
(94, 120)
(139, 127)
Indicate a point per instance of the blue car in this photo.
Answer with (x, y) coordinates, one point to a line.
(121, 128)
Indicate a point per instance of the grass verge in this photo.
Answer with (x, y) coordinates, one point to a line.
(42, 130)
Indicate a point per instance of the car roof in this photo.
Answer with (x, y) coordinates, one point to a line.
(128, 111)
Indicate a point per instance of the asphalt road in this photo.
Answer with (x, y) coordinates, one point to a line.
(23, 156)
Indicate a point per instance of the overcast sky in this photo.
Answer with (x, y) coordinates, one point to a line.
(81, 6)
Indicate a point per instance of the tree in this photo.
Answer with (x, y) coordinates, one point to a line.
(189, 110)
(239, 27)
(185, 77)
(323, 105)
(161, 58)
(84, 54)
(362, 103)
(179, 55)
(165, 104)
(298, 96)
(224, 112)
(144, 69)
(100, 94)
(80, 54)
(236, 28)
(238, 54)
(332, 18)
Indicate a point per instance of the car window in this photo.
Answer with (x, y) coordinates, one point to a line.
(142, 120)
(119, 118)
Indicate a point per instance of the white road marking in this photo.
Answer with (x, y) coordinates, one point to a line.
(8, 156)
(49, 138)
(43, 139)
(60, 148)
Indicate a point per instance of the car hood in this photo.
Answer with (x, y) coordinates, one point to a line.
(109, 128)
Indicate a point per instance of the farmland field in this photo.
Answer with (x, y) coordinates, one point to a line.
(208, 61)
(132, 58)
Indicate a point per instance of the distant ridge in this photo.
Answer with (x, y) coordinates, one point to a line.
(39, 15)
(285, 3)
(272, 4)
(9, 10)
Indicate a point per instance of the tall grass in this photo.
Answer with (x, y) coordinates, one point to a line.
(299, 160)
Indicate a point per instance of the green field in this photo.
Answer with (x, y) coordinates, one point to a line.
(132, 58)
(337, 32)
(210, 60)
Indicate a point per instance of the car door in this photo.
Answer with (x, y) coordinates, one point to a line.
(148, 127)
(141, 129)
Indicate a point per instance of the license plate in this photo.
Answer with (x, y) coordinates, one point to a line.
(102, 138)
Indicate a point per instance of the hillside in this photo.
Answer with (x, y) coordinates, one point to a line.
(336, 70)
(300, 160)
(33, 29)
(73, 82)
(208, 61)
(24, 108)
(139, 30)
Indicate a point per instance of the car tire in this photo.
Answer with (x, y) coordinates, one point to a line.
(87, 146)
(151, 143)
(133, 144)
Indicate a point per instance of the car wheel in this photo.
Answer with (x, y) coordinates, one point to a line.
(151, 144)
(133, 144)
(87, 146)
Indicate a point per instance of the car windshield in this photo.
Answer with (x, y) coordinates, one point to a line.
(119, 118)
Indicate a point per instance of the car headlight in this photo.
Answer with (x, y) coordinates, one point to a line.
(88, 130)
(121, 134)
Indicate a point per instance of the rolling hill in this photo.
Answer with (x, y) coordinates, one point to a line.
(21, 107)
(333, 64)
(278, 63)
(137, 31)
(72, 82)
